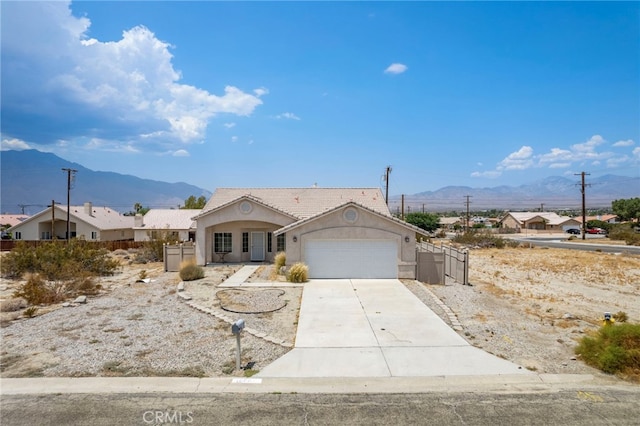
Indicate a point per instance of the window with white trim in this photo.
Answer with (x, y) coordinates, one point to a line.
(17, 235)
(245, 242)
(46, 235)
(281, 242)
(269, 242)
(222, 242)
(94, 235)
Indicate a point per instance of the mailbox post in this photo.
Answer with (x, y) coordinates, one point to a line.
(236, 328)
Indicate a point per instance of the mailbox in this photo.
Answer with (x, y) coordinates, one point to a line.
(237, 326)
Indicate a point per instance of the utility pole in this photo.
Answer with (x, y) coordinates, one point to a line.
(386, 185)
(584, 205)
(402, 208)
(541, 207)
(53, 217)
(467, 202)
(69, 173)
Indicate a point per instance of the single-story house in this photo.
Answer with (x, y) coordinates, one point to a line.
(547, 221)
(609, 218)
(450, 223)
(156, 223)
(336, 232)
(86, 222)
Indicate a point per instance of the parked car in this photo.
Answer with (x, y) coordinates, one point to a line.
(573, 231)
(596, 231)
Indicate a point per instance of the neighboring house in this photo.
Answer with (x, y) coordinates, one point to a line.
(542, 221)
(451, 223)
(10, 220)
(87, 222)
(158, 223)
(609, 218)
(337, 232)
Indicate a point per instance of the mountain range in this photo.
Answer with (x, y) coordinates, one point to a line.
(31, 179)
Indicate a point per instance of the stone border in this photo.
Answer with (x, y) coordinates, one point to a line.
(455, 323)
(222, 315)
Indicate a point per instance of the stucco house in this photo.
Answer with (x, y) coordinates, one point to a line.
(541, 221)
(177, 223)
(337, 232)
(86, 222)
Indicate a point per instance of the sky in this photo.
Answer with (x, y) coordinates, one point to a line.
(292, 94)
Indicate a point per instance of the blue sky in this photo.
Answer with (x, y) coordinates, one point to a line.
(257, 94)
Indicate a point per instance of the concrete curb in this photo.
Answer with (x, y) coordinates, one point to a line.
(224, 316)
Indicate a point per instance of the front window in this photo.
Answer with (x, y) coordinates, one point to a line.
(280, 242)
(94, 235)
(222, 242)
(269, 242)
(17, 235)
(245, 242)
(46, 235)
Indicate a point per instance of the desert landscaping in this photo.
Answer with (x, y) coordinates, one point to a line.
(526, 305)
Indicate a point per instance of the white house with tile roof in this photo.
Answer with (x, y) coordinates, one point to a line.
(178, 223)
(337, 232)
(88, 222)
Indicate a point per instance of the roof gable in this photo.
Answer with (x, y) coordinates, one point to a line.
(169, 219)
(342, 206)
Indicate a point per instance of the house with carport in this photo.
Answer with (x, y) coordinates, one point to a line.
(337, 232)
(86, 222)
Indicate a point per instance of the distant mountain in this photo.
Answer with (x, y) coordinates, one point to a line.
(32, 179)
(553, 192)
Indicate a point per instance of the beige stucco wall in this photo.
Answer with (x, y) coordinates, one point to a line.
(368, 226)
(232, 219)
(145, 234)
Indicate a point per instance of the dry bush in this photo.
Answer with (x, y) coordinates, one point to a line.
(189, 271)
(298, 273)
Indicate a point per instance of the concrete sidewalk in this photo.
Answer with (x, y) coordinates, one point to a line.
(377, 328)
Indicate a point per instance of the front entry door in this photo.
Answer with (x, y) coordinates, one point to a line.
(257, 246)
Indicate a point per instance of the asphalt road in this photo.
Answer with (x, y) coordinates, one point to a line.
(575, 245)
(595, 407)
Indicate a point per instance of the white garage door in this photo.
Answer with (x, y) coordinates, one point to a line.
(351, 258)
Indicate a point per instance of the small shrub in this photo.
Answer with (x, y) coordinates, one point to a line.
(482, 239)
(38, 291)
(621, 316)
(142, 275)
(280, 260)
(614, 349)
(298, 273)
(189, 271)
(30, 312)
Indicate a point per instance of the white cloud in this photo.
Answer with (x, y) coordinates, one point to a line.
(234, 139)
(492, 174)
(123, 90)
(181, 153)
(519, 160)
(396, 68)
(229, 125)
(636, 153)
(13, 144)
(628, 142)
(288, 116)
(559, 165)
(261, 91)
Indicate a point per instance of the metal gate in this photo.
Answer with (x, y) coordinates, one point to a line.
(455, 262)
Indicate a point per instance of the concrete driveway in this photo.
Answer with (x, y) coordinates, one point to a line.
(377, 328)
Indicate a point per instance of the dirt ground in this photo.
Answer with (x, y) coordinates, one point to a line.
(527, 305)
(532, 305)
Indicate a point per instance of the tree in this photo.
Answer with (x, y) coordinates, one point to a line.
(192, 203)
(626, 209)
(427, 221)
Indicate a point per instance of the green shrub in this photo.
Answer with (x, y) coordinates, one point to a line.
(280, 260)
(483, 239)
(30, 312)
(190, 271)
(38, 291)
(298, 273)
(614, 349)
(58, 260)
(625, 232)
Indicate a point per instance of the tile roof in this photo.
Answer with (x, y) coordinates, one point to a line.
(12, 219)
(169, 219)
(550, 217)
(102, 218)
(303, 203)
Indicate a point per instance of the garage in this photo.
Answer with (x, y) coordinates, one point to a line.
(351, 258)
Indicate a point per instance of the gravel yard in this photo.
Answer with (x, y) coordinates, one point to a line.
(529, 306)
